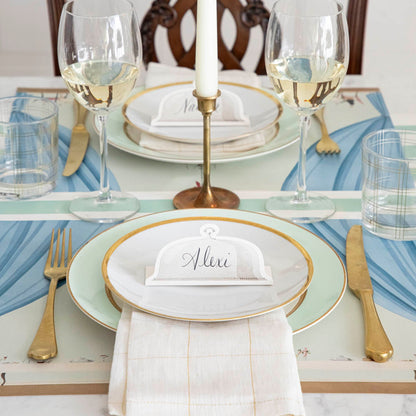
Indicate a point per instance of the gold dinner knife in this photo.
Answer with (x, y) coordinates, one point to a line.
(79, 141)
(377, 344)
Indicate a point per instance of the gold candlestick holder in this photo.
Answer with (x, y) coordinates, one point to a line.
(206, 196)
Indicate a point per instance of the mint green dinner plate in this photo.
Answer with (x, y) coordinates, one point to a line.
(86, 284)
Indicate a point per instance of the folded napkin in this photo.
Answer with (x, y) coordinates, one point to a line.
(158, 74)
(169, 146)
(237, 368)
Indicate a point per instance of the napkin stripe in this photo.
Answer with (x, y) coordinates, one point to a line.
(188, 368)
(251, 367)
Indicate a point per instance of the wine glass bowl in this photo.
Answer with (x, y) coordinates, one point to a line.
(306, 56)
(99, 54)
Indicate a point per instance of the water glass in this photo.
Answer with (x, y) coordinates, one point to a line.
(389, 184)
(28, 147)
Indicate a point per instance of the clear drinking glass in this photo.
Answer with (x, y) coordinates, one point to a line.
(389, 184)
(28, 147)
(306, 55)
(100, 52)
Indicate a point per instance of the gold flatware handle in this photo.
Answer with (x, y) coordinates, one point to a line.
(377, 343)
(79, 141)
(81, 112)
(319, 114)
(44, 343)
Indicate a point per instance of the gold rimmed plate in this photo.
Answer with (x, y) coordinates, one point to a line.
(126, 261)
(277, 136)
(324, 293)
(261, 107)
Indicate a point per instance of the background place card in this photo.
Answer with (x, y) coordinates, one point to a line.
(180, 108)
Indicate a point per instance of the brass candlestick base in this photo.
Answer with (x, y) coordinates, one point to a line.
(206, 197)
(195, 198)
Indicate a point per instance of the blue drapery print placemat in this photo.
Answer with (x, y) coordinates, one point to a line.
(87, 177)
(342, 172)
(392, 264)
(24, 244)
(24, 249)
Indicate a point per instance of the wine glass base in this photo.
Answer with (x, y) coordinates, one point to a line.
(316, 208)
(94, 208)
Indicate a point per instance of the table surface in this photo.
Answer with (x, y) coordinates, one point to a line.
(264, 175)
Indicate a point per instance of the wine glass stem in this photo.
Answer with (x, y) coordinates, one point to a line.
(301, 192)
(104, 193)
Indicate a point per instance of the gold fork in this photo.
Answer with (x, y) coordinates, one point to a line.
(44, 343)
(326, 144)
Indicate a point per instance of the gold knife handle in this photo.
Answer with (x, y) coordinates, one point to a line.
(81, 113)
(44, 343)
(377, 344)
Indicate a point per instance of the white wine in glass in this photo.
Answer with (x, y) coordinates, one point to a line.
(99, 52)
(306, 55)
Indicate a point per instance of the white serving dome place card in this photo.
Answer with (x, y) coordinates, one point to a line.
(180, 108)
(209, 259)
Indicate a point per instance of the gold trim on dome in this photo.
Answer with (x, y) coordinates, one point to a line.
(220, 139)
(291, 240)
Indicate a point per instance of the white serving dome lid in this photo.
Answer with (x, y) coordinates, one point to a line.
(209, 259)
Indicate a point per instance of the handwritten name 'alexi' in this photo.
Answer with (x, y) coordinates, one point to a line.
(203, 258)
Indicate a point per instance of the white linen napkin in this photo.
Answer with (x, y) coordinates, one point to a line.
(178, 368)
(195, 150)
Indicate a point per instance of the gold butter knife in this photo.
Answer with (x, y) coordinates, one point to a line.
(377, 344)
(79, 141)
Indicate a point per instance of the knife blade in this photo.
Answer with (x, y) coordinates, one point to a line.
(377, 344)
(79, 141)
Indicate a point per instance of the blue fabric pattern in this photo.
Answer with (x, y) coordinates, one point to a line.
(342, 171)
(87, 177)
(392, 264)
(25, 244)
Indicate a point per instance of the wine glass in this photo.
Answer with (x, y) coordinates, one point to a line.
(306, 55)
(99, 53)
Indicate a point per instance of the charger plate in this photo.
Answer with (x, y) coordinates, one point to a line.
(126, 261)
(261, 107)
(87, 289)
(277, 136)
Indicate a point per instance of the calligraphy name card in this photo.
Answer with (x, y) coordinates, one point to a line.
(180, 108)
(209, 260)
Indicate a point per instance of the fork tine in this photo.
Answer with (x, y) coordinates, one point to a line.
(70, 246)
(55, 259)
(63, 250)
(48, 262)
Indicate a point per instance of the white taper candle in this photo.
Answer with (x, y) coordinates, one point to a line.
(206, 59)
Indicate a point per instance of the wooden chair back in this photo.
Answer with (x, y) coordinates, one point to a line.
(252, 14)
(246, 17)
